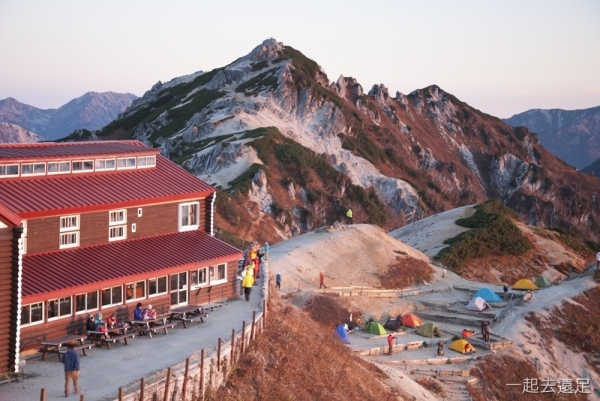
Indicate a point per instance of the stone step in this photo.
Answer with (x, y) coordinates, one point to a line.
(469, 320)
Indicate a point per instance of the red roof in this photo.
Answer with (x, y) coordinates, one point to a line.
(51, 150)
(100, 266)
(85, 192)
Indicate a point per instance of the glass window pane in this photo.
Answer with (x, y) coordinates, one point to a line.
(106, 297)
(182, 297)
(92, 300)
(174, 282)
(131, 162)
(121, 163)
(151, 161)
(100, 164)
(194, 277)
(203, 276)
(12, 169)
(88, 165)
(53, 167)
(52, 309)
(65, 306)
(25, 315)
(174, 298)
(140, 289)
(26, 169)
(162, 284)
(221, 272)
(80, 302)
(110, 164)
(117, 295)
(152, 287)
(141, 161)
(39, 168)
(77, 166)
(64, 167)
(193, 214)
(36, 312)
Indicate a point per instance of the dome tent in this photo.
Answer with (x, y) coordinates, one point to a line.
(542, 282)
(487, 295)
(477, 304)
(341, 333)
(461, 345)
(410, 320)
(429, 330)
(525, 284)
(375, 328)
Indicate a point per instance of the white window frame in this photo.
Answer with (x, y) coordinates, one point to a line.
(205, 283)
(127, 160)
(67, 231)
(98, 301)
(51, 319)
(36, 322)
(73, 228)
(58, 164)
(115, 222)
(215, 269)
(71, 244)
(11, 175)
(146, 159)
(83, 170)
(97, 168)
(133, 286)
(33, 166)
(166, 291)
(115, 229)
(188, 227)
(112, 303)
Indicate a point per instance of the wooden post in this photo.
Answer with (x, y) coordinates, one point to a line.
(225, 370)
(219, 355)
(185, 378)
(43, 395)
(142, 385)
(82, 397)
(252, 334)
(264, 313)
(243, 336)
(120, 393)
(155, 396)
(232, 346)
(202, 374)
(166, 395)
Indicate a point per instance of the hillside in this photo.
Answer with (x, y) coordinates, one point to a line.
(91, 111)
(572, 135)
(12, 133)
(292, 151)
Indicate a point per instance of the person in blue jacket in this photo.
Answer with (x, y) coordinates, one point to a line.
(278, 280)
(138, 312)
(71, 361)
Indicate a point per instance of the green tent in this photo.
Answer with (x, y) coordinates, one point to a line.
(375, 328)
(542, 282)
(429, 330)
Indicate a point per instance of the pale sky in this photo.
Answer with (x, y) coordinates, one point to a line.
(502, 57)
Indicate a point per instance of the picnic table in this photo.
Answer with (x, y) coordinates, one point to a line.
(149, 326)
(110, 336)
(55, 345)
(187, 313)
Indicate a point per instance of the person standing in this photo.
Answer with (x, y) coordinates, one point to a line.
(247, 283)
(278, 281)
(349, 215)
(321, 280)
(390, 341)
(505, 291)
(267, 250)
(71, 361)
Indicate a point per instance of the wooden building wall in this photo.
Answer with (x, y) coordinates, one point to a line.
(6, 256)
(32, 336)
(43, 233)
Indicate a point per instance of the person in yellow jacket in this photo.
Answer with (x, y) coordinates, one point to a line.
(247, 283)
(349, 215)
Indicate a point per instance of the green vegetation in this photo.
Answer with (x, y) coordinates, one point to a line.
(242, 183)
(492, 233)
(572, 239)
(260, 82)
(186, 150)
(364, 146)
(226, 208)
(231, 239)
(259, 65)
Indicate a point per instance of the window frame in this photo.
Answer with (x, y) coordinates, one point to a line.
(5, 175)
(83, 170)
(59, 171)
(74, 228)
(166, 278)
(189, 227)
(126, 167)
(86, 310)
(111, 304)
(117, 222)
(134, 286)
(215, 268)
(117, 238)
(42, 320)
(96, 168)
(60, 316)
(69, 245)
(33, 166)
(146, 158)
(206, 281)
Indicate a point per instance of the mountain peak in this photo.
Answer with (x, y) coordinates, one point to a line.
(268, 50)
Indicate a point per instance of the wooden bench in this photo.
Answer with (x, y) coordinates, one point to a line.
(55, 346)
(189, 318)
(82, 347)
(164, 326)
(111, 340)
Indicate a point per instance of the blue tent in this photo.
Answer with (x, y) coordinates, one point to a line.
(488, 295)
(340, 331)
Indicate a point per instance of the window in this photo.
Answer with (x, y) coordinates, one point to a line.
(218, 274)
(69, 228)
(157, 286)
(146, 161)
(117, 232)
(32, 314)
(133, 227)
(24, 226)
(125, 163)
(117, 217)
(86, 302)
(139, 212)
(188, 216)
(135, 291)
(198, 277)
(9, 170)
(59, 167)
(112, 296)
(59, 307)
(83, 165)
(33, 169)
(105, 164)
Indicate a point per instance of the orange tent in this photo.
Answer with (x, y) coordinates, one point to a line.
(410, 320)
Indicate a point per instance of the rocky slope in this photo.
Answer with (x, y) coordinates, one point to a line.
(12, 133)
(294, 150)
(91, 111)
(572, 135)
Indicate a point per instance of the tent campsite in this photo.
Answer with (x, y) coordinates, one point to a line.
(393, 323)
(410, 320)
(429, 330)
(375, 328)
(477, 304)
(487, 295)
(340, 331)
(542, 282)
(461, 346)
(525, 284)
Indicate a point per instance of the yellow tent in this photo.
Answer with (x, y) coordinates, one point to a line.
(525, 284)
(462, 346)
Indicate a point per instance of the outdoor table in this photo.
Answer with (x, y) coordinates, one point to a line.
(183, 313)
(54, 345)
(147, 325)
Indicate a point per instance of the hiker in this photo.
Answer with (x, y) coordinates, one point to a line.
(247, 283)
(444, 273)
(505, 291)
(91, 324)
(528, 297)
(390, 340)
(138, 312)
(267, 250)
(349, 215)
(486, 332)
(259, 256)
(440, 350)
(71, 361)
(597, 260)
(278, 281)
(321, 280)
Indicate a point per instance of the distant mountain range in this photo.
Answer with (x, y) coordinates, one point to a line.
(292, 150)
(91, 111)
(572, 135)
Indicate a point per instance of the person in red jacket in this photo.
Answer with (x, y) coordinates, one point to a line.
(390, 344)
(321, 280)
